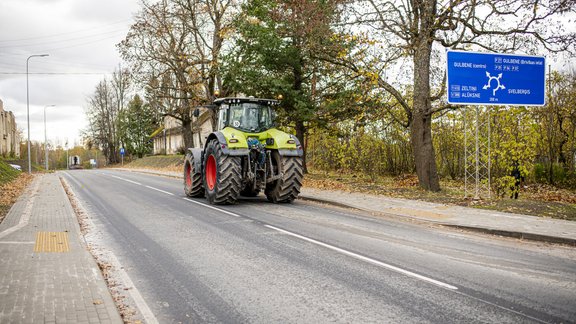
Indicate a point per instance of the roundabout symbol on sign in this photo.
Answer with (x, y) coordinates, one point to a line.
(490, 78)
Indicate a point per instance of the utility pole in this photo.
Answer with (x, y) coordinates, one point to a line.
(28, 109)
(46, 138)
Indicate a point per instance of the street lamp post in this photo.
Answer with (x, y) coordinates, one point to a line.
(46, 137)
(28, 108)
(67, 159)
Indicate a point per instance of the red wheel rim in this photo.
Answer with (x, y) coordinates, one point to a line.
(188, 179)
(211, 172)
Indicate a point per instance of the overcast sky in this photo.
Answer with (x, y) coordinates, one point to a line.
(80, 36)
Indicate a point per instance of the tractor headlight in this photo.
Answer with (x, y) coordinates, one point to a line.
(291, 141)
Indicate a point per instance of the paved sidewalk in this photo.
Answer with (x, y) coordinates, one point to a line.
(494, 222)
(46, 273)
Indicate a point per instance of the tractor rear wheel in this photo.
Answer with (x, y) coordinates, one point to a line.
(192, 178)
(222, 175)
(287, 188)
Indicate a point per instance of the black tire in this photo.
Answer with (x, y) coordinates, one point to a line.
(222, 176)
(287, 188)
(192, 179)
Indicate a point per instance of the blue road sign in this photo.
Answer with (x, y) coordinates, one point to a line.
(495, 79)
(121, 151)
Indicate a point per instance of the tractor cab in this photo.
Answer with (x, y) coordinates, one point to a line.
(250, 115)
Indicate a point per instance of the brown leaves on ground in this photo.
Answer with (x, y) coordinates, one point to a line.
(326, 184)
(406, 180)
(544, 192)
(535, 199)
(11, 191)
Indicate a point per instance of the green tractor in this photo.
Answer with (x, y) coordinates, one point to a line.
(245, 156)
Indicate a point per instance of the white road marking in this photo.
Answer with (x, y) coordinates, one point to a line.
(212, 207)
(134, 182)
(141, 304)
(166, 192)
(138, 183)
(369, 260)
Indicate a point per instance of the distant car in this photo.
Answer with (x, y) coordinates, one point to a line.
(16, 166)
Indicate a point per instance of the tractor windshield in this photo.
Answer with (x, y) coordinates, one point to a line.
(250, 117)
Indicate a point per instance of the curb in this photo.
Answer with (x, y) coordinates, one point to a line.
(330, 202)
(485, 230)
(518, 235)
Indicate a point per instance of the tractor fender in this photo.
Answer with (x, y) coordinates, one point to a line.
(297, 152)
(197, 154)
(224, 145)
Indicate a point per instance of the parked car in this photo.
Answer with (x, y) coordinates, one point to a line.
(16, 166)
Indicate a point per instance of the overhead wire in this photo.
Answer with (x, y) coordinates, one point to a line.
(66, 33)
(65, 40)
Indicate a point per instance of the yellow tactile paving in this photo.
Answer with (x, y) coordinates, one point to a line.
(51, 242)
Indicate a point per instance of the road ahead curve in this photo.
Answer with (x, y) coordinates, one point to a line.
(305, 263)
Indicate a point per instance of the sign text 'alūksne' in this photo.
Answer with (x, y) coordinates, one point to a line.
(495, 79)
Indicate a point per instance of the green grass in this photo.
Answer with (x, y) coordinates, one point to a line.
(158, 162)
(7, 173)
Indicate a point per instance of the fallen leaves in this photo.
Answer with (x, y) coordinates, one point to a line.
(535, 199)
(324, 184)
(11, 191)
(544, 192)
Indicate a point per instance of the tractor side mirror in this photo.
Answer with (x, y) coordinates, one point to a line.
(196, 112)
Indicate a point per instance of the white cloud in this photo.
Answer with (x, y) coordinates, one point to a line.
(81, 38)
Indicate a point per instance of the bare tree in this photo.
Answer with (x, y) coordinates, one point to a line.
(412, 32)
(173, 50)
(104, 106)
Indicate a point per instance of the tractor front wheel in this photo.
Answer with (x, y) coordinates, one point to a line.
(287, 187)
(222, 175)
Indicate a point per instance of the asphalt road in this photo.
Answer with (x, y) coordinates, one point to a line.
(307, 263)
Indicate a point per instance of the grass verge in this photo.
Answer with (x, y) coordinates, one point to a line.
(537, 200)
(12, 184)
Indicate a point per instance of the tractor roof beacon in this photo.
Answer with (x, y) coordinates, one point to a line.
(245, 156)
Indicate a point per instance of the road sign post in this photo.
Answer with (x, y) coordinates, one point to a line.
(485, 79)
(122, 155)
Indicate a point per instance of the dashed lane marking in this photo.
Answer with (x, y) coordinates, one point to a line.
(212, 207)
(160, 190)
(123, 179)
(366, 259)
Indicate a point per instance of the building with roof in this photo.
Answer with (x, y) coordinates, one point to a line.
(9, 137)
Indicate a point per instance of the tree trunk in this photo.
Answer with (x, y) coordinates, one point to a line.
(300, 127)
(421, 123)
(300, 134)
(187, 133)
